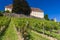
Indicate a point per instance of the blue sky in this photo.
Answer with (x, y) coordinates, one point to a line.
(50, 7)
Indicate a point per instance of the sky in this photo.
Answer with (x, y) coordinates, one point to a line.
(50, 7)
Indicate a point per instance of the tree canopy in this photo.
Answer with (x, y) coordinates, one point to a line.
(21, 7)
(46, 17)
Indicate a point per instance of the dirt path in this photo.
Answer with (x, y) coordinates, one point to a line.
(19, 35)
(51, 38)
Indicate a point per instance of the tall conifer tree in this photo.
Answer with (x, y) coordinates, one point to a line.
(21, 7)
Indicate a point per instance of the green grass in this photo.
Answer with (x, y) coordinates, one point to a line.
(36, 24)
(4, 21)
(35, 36)
(10, 33)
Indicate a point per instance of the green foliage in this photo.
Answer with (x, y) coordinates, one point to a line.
(21, 7)
(26, 25)
(1, 13)
(7, 11)
(36, 25)
(35, 36)
(46, 17)
(10, 32)
(4, 21)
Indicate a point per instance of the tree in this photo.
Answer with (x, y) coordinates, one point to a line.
(21, 7)
(46, 17)
(52, 19)
(1, 13)
(7, 11)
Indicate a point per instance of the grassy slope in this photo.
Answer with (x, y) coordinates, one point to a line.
(35, 36)
(10, 33)
(34, 21)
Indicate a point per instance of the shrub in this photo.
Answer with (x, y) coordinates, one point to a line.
(7, 11)
(1, 13)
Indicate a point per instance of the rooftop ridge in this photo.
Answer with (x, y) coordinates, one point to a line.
(32, 8)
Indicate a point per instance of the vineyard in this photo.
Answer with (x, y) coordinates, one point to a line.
(9, 27)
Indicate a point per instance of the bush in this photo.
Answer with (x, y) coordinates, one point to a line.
(7, 11)
(1, 13)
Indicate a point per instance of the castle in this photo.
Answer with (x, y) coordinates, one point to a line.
(36, 12)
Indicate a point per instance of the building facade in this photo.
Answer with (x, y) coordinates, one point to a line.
(36, 12)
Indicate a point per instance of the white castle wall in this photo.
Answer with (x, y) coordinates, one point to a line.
(8, 9)
(33, 13)
(37, 14)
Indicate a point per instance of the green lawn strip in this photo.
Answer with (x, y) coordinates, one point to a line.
(55, 35)
(52, 34)
(3, 23)
(35, 36)
(10, 33)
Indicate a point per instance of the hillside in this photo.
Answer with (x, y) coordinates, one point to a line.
(14, 28)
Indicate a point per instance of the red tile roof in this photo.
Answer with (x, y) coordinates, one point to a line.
(36, 9)
(9, 6)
